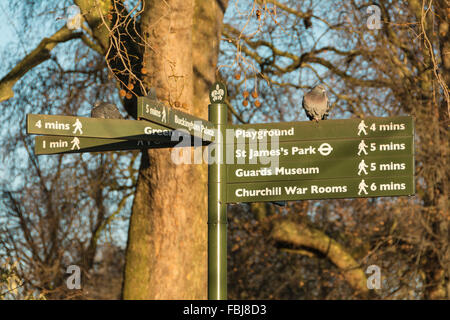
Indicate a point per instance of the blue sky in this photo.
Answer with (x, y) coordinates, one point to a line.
(8, 34)
(7, 29)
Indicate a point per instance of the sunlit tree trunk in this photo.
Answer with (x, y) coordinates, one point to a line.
(167, 245)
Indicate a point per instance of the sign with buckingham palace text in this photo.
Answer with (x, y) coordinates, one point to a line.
(156, 111)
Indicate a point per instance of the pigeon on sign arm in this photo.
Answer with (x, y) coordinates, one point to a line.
(105, 110)
(316, 104)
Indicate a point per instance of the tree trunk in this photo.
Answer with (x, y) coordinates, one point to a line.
(167, 242)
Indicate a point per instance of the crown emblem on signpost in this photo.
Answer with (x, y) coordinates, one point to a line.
(218, 93)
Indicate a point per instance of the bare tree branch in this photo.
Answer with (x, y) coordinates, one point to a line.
(291, 232)
(40, 54)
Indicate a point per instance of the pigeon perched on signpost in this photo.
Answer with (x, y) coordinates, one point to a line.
(105, 110)
(315, 104)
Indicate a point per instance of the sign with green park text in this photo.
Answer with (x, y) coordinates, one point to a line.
(97, 128)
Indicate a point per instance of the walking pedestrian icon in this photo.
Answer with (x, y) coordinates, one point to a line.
(362, 148)
(362, 128)
(362, 167)
(75, 143)
(362, 187)
(78, 125)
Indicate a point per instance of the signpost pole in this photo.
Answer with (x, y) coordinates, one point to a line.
(217, 207)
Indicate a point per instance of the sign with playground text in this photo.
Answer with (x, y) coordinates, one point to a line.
(331, 159)
(371, 127)
(156, 111)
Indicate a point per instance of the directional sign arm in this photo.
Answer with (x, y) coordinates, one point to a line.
(288, 151)
(320, 189)
(155, 111)
(377, 166)
(56, 144)
(371, 127)
(99, 128)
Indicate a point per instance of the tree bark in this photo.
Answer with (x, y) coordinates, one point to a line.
(167, 243)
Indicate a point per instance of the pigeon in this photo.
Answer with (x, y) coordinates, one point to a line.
(105, 110)
(315, 104)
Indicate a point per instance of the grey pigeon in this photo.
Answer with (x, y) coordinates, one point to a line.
(105, 110)
(315, 104)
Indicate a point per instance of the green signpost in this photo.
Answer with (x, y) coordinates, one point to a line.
(217, 208)
(332, 159)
